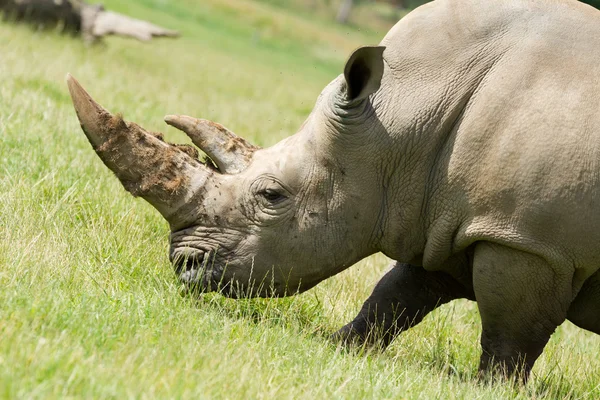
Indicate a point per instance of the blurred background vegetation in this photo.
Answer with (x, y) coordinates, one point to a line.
(370, 13)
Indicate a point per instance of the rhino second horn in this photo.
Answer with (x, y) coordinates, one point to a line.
(231, 153)
(160, 173)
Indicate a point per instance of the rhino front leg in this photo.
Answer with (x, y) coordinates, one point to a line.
(522, 300)
(399, 301)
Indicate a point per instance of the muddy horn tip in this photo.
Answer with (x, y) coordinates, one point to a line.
(81, 99)
(72, 82)
(92, 116)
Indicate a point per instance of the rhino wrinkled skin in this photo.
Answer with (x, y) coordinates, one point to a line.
(466, 147)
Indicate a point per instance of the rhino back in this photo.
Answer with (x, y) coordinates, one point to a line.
(511, 124)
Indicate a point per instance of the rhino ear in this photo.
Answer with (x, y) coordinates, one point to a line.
(363, 72)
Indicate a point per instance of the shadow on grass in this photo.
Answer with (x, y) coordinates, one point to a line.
(305, 315)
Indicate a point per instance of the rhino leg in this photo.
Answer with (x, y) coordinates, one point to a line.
(399, 301)
(522, 300)
(584, 311)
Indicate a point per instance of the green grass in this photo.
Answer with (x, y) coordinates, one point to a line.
(89, 306)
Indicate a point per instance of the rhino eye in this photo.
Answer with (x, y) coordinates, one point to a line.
(272, 196)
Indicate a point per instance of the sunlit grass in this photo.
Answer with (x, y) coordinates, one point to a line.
(89, 306)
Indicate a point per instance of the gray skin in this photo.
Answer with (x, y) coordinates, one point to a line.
(466, 146)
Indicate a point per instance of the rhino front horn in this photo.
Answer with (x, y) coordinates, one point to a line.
(165, 175)
(231, 153)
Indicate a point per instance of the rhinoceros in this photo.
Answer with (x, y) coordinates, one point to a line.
(92, 21)
(466, 146)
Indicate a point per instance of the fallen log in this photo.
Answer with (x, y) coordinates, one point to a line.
(90, 21)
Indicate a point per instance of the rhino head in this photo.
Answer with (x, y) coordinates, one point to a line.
(252, 221)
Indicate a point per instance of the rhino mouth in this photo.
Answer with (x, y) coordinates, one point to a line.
(202, 273)
(199, 272)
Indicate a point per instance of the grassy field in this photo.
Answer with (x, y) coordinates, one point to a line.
(89, 306)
